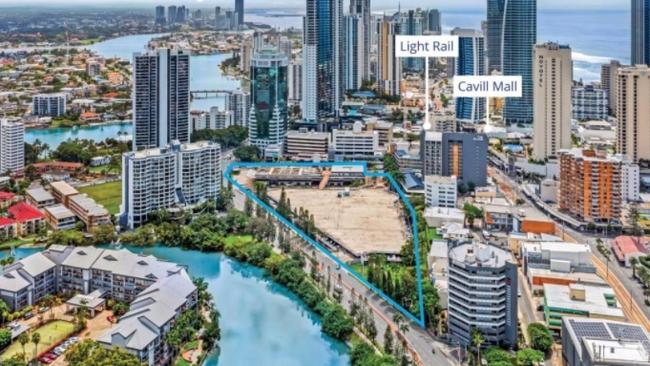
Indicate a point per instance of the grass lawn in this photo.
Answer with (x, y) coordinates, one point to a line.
(232, 239)
(107, 194)
(17, 242)
(51, 333)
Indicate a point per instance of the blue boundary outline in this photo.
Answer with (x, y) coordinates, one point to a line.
(414, 224)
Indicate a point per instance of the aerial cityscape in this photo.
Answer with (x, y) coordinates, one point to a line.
(325, 183)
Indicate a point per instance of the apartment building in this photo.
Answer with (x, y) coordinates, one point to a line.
(440, 191)
(29, 220)
(356, 143)
(12, 147)
(591, 185)
(304, 145)
(142, 330)
(609, 81)
(431, 153)
(482, 294)
(90, 212)
(62, 192)
(553, 78)
(163, 178)
(633, 112)
(60, 217)
(158, 291)
(49, 105)
(384, 129)
(589, 103)
(39, 197)
(26, 281)
(464, 155)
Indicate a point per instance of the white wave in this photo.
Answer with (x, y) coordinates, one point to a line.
(582, 57)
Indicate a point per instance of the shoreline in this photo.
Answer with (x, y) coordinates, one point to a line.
(94, 124)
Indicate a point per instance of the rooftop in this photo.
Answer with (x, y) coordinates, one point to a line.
(439, 179)
(59, 212)
(595, 331)
(624, 245)
(480, 255)
(24, 212)
(598, 300)
(89, 205)
(40, 194)
(616, 350)
(64, 188)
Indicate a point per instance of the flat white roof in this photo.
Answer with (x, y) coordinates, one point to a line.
(606, 350)
(595, 303)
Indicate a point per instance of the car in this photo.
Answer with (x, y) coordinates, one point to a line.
(51, 355)
(74, 339)
(59, 350)
(43, 309)
(28, 315)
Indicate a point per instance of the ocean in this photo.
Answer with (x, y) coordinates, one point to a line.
(595, 36)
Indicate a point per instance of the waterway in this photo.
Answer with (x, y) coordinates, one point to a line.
(205, 74)
(262, 323)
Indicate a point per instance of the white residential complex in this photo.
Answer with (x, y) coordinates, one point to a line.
(50, 105)
(163, 178)
(552, 75)
(303, 145)
(440, 191)
(238, 104)
(12, 147)
(158, 291)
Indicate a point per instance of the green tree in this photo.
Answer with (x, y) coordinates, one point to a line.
(247, 153)
(472, 213)
(23, 339)
(4, 310)
(477, 342)
(5, 337)
(540, 337)
(36, 339)
(90, 353)
(529, 357)
(495, 355)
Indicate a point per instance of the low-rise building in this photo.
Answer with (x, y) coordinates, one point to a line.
(439, 216)
(304, 145)
(60, 217)
(62, 191)
(440, 191)
(142, 330)
(596, 342)
(39, 197)
(51, 105)
(627, 247)
(356, 143)
(89, 211)
(29, 220)
(579, 300)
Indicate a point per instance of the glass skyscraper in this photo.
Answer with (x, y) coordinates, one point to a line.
(269, 89)
(512, 33)
(470, 61)
(322, 59)
(640, 32)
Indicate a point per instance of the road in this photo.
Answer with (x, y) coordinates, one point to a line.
(418, 339)
(629, 292)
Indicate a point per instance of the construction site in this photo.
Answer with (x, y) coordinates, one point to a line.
(357, 215)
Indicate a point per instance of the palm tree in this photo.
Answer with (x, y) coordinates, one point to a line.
(36, 339)
(477, 341)
(633, 262)
(23, 339)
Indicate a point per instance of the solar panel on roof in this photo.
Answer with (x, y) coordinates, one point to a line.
(630, 332)
(590, 329)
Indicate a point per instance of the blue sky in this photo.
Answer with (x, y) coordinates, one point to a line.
(376, 4)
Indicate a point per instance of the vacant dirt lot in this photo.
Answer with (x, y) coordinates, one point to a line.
(368, 221)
